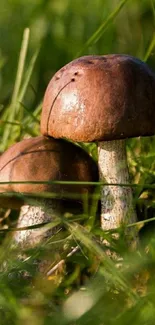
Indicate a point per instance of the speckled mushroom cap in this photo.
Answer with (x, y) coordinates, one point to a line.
(97, 98)
(45, 159)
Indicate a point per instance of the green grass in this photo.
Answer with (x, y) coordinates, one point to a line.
(89, 288)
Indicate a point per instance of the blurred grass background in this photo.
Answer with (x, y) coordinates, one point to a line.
(62, 28)
(90, 289)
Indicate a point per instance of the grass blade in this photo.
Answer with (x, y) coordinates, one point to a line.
(150, 48)
(153, 9)
(99, 32)
(21, 65)
(30, 113)
(28, 76)
(10, 112)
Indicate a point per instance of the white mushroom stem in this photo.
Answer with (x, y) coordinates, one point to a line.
(116, 201)
(45, 211)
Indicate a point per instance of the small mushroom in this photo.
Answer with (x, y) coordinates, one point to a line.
(43, 159)
(104, 99)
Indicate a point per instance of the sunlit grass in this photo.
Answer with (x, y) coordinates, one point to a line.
(86, 286)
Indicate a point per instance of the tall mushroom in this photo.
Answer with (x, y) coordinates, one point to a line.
(104, 99)
(43, 159)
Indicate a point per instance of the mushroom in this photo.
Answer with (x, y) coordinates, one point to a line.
(43, 159)
(106, 99)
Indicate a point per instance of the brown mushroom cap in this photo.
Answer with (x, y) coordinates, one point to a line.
(100, 98)
(45, 159)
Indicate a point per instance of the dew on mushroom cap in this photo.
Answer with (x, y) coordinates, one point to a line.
(116, 93)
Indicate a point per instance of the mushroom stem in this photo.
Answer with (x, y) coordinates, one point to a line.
(33, 215)
(116, 201)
